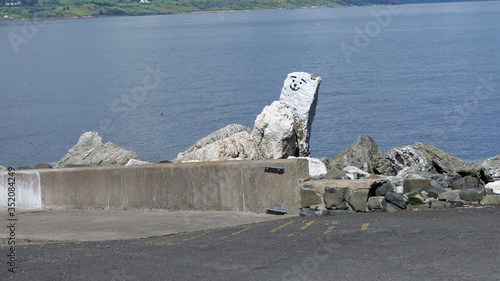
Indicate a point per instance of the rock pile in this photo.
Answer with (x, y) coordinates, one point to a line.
(90, 151)
(414, 176)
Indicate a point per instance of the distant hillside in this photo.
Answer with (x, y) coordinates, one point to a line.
(36, 9)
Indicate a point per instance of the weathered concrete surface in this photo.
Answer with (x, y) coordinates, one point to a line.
(91, 225)
(27, 189)
(232, 185)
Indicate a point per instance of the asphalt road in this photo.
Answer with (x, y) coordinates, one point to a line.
(458, 244)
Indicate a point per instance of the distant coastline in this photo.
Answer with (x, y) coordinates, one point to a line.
(65, 9)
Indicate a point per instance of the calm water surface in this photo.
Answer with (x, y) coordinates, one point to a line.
(156, 84)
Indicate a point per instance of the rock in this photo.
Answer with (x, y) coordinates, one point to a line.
(236, 147)
(434, 192)
(300, 92)
(220, 134)
(467, 182)
(133, 162)
(2, 168)
(491, 200)
(420, 157)
(309, 197)
(361, 154)
(441, 161)
(274, 134)
(335, 196)
(355, 173)
(42, 166)
(472, 194)
(389, 207)
(444, 180)
(397, 199)
(490, 169)
(450, 195)
(283, 129)
(325, 161)
(441, 205)
(494, 186)
(23, 168)
(317, 169)
(412, 185)
(384, 188)
(90, 151)
(336, 175)
(375, 202)
(359, 200)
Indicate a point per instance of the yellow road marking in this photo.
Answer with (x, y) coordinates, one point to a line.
(365, 226)
(307, 224)
(330, 229)
(291, 234)
(197, 236)
(238, 232)
(282, 226)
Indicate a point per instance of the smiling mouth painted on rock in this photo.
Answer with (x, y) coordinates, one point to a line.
(294, 86)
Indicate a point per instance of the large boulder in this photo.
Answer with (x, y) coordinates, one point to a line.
(239, 146)
(2, 168)
(490, 169)
(90, 151)
(283, 129)
(191, 153)
(418, 157)
(361, 154)
(274, 134)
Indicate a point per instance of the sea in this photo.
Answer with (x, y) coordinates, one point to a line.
(156, 84)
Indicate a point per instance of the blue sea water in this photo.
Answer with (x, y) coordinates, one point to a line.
(156, 84)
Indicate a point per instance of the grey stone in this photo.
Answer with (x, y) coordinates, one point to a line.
(361, 154)
(436, 184)
(450, 196)
(415, 192)
(236, 147)
(309, 212)
(467, 182)
(2, 168)
(340, 212)
(441, 205)
(359, 200)
(90, 151)
(383, 188)
(490, 169)
(355, 173)
(397, 199)
(416, 184)
(472, 194)
(434, 192)
(220, 134)
(336, 175)
(418, 157)
(325, 161)
(335, 196)
(309, 197)
(491, 200)
(375, 202)
(133, 162)
(389, 207)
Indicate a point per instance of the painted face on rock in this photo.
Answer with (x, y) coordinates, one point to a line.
(296, 83)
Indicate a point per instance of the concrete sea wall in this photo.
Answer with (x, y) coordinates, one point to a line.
(232, 185)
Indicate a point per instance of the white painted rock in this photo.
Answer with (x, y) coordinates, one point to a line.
(239, 146)
(495, 186)
(273, 132)
(90, 152)
(300, 92)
